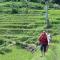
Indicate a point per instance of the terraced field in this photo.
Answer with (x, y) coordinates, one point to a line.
(14, 27)
(27, 28)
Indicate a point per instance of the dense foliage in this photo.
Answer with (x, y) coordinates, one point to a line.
(40, 1)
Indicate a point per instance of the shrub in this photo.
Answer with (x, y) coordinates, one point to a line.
(21, 44)
(23, 39)
(31, 40)
(7, 5)
(1, 8)
(56, 6)
(14, 9)
(6, 50)
(2, 52)
(35, 6)
(1, 42)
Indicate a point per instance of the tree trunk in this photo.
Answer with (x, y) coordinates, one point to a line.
(47, 19)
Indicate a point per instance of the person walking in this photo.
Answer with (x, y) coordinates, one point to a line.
(49, 37)
(43, 41)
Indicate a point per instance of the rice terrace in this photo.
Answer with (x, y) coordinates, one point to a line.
(21, 22)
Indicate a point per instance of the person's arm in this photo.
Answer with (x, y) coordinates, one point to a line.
(39, 40)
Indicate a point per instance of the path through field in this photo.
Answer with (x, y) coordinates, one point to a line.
(52, 54)
(37, 56)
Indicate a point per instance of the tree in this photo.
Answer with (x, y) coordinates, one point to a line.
(56, 1)
(47, 19)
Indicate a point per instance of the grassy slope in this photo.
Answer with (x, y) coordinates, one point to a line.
(16, 54)
(52, 54)
(11, 26)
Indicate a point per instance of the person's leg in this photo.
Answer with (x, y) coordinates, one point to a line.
(45, 48)
(42, 49)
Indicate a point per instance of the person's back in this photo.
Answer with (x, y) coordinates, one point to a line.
(43, 38)
(43, 42)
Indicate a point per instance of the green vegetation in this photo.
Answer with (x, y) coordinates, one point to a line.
(16, 54)
(17, 25)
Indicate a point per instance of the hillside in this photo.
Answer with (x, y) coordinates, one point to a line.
(27, 28)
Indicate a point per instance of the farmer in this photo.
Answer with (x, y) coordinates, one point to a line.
(43, 41)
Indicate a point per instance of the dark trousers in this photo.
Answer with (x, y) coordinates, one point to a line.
(43, 47)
